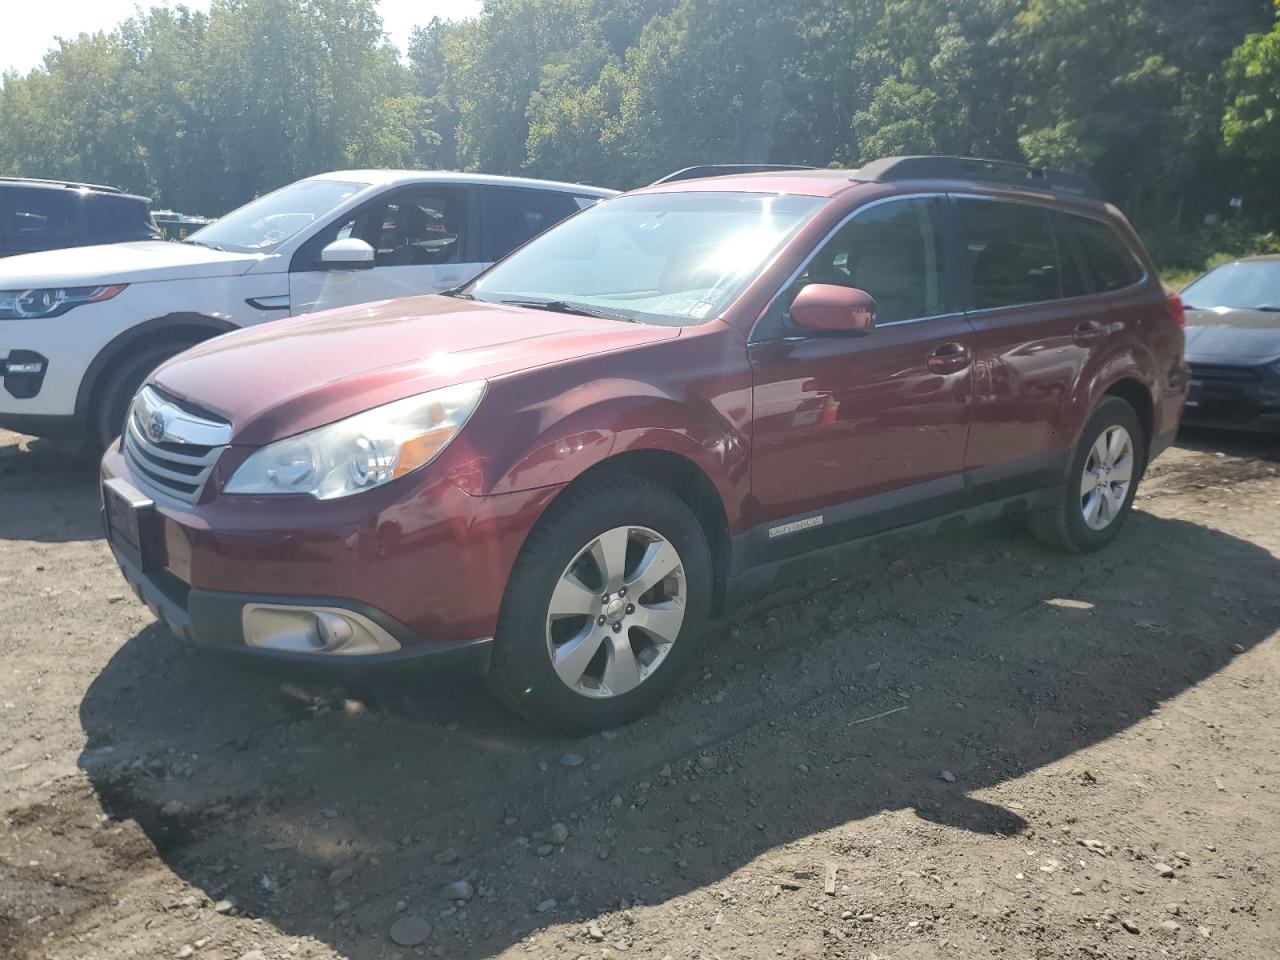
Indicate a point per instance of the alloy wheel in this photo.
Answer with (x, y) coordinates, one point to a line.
(616, 611)
(1107, 477)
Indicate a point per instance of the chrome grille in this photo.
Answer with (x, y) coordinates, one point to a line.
(172, 447)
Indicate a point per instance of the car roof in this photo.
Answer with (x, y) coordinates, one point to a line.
(396, 178)
(832, 182)
(810, 183)
(27, 183)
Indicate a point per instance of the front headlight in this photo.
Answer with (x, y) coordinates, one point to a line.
(361, 452)
(52, 302)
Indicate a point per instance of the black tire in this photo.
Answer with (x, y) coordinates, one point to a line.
(521, 673)
(1063, 526)
(117, 391)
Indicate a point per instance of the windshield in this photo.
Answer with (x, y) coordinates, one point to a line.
(263, 224)
(1249, 285)
(669, 258)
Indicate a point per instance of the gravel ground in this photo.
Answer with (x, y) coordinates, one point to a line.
(956, 748)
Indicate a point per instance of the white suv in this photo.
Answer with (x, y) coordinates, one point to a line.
(80, 329)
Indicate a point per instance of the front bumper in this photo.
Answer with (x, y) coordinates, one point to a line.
(417, 560)
(1235, 398)
(214, 620)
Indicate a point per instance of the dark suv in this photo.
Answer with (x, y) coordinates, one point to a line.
(52, 214)
(557, 472)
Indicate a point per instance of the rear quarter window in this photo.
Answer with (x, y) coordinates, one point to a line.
(111, 219)
(1109, 259)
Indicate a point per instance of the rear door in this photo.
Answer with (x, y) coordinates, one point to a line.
(425, 241)
(854, 433)
(1035, 323)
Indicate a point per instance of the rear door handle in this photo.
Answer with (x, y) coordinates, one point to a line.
(1088, 331)
(949, 358)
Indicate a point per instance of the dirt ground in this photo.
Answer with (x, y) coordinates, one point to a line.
(956, 748)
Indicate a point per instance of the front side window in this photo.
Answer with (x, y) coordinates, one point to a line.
(893, 250)
(263, 224)
(1111, 263)
(666, 258)
(420, 227)
(1010, 253)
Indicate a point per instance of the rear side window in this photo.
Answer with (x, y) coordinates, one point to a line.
(1010, 253)
(1109, 260)
(42, 218)
(510, 217)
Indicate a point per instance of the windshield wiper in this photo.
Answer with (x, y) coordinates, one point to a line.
(564, 306)
(201, 243)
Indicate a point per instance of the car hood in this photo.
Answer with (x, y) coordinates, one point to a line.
(137, 262)
(1221, 335)
(285, 377)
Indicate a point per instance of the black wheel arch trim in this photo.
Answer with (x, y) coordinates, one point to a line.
(212, 324)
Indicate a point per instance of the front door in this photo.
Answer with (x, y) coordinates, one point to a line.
(854, 433)
(424, 243)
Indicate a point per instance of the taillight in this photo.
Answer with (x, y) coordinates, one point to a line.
(1177, 313)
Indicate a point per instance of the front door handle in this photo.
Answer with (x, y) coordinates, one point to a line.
(949, 358)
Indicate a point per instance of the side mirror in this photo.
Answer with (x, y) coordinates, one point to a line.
(348, 254)
(834, 309)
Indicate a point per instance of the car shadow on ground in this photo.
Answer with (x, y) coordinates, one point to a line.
(329, 813)
(30, 471)
(1258, 446)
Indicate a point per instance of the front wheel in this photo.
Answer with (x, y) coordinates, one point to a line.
(605, 607)
(1101, 484)
(116, 393)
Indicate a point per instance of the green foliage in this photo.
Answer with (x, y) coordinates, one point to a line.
(205, 112)
(1173, 105)
(1183, 256)
(1251, 124)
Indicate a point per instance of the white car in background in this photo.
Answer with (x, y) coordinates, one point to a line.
(80, 329)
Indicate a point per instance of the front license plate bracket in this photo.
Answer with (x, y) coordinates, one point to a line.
(129, 516)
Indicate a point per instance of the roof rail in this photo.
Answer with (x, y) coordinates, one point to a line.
(69, 184)
(891, 169)
(725, 170)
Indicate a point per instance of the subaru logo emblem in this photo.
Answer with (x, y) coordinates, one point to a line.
(156, 426)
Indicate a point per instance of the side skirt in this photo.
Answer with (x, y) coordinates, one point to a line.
(768, 575)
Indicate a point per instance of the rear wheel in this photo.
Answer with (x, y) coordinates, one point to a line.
(116, 392)
(1101, 485)
(605, 607)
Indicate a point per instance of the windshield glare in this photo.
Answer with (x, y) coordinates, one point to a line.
(1239, 286)
(263, 224)
(672, 258)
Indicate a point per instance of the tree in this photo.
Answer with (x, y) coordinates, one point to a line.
(1251, 124)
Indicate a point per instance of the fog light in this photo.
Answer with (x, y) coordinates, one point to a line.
(27, 368)
(320, 630)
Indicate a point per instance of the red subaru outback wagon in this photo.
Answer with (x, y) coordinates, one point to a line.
(557, 473)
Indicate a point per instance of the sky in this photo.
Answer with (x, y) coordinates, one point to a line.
(26, 36)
